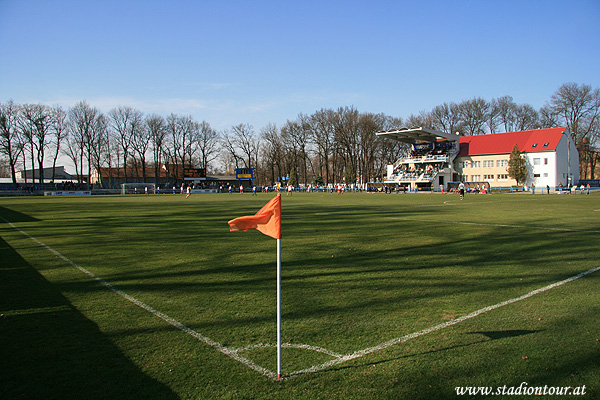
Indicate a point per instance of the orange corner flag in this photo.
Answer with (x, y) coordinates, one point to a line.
(267, 220)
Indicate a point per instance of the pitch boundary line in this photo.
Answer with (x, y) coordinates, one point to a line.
(216, 345)
(338, 358)
(413, 335)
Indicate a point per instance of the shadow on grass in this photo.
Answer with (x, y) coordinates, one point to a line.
(309, 278)
(51, 351)
(6, 214)
(492, 335)
(495, 335)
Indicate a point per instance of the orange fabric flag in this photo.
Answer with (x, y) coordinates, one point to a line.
(267, 220)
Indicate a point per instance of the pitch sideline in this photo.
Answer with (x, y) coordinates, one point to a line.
(217, 346)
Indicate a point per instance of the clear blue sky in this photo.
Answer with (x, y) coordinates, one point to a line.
(258, 62)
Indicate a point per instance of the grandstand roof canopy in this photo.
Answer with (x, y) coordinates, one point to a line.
(417, 135)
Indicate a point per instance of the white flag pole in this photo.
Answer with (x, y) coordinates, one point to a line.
(278, 308)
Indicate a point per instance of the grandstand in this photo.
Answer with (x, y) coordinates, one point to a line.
(430, 162)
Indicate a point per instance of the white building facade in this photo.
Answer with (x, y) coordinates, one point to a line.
(551, 158)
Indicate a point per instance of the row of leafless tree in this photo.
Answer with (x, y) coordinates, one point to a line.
(330, 145)
(121, 139)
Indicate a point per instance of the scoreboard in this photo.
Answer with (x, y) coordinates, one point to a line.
(191, 173)
(244, 173)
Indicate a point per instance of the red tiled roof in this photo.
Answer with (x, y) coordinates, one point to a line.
(546, 139)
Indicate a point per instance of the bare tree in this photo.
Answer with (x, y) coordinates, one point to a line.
(191, 146)
(474, 114)
(84, 131)
(74, 150)
(156, 127)
(247, 141)
(141, 136)
(548, 118)
(298, 134)
(272, 152)
(494, 116)
(207, 142)
(58, 132)
(345, 123)
(422, 119)
(99, 145)
(512, 117)
(368, 125)
(526, 118)
(36, 121)
(323, 135)
(579, 108)
(124, 121)
(180, 133)
(506, 110)
(445, 117)
(11, 143)
(229, 150)
(26, 123)
(389, 151)
(173, 144)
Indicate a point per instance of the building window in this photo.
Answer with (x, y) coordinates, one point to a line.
(546, 144)
(476, 164)
(502, 163)
(502, 177)
(536, 175)
(536, 161)
(545, 161)
(488, 177)
(533, 146)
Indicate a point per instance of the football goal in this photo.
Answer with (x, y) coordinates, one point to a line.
(138, 188)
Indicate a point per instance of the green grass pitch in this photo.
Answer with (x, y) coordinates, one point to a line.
(358, 270)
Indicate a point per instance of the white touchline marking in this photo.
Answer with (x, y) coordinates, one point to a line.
(338, 358)
(217, 346)
(413, 335)
(290, 346)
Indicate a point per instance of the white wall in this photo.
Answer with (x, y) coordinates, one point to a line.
(553, 167)
(566, 149)
(390, 170)
(544, 165)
